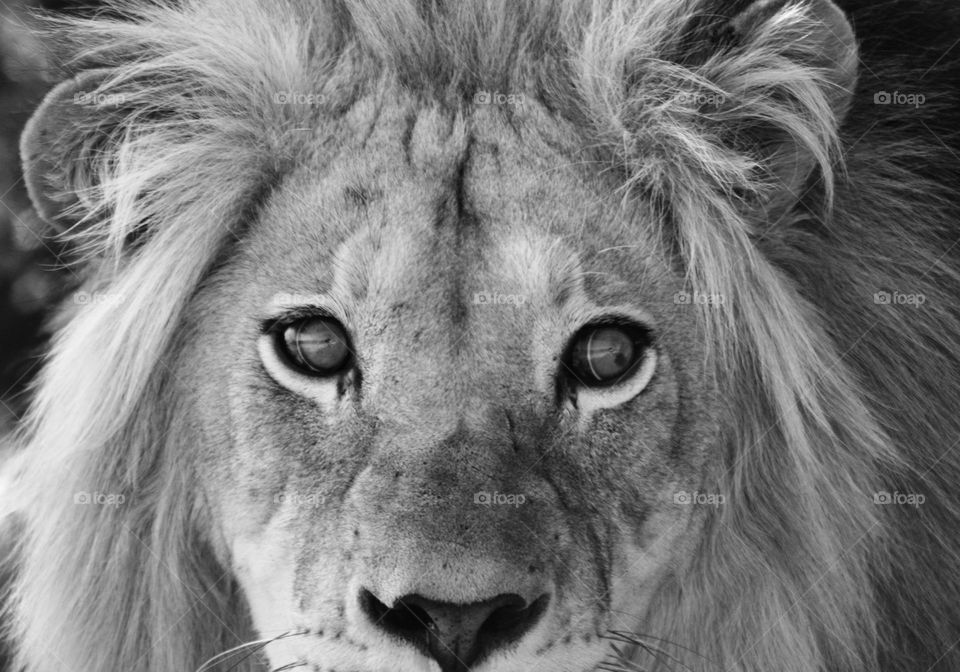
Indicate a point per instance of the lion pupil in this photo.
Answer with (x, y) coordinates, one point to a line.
(608, 353)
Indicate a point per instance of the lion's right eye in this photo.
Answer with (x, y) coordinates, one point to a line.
(316, 345)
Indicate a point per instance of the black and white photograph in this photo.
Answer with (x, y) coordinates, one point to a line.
(480, 335)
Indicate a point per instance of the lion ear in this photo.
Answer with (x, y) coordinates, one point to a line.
(812, 37)
(59, 148)
(814, 33)
(743, 98)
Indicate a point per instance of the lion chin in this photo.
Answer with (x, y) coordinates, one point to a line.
(495, 335)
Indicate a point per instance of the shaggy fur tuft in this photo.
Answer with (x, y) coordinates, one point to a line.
(831, 396)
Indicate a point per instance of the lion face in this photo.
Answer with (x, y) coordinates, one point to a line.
(443, 423)
(473, 335)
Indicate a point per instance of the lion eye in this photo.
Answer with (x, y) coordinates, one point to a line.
(316, 345)
(604, 355)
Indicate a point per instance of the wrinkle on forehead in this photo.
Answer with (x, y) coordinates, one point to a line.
(428, 206)
(418, 194)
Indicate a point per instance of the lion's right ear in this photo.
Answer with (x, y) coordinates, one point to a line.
(61, 146)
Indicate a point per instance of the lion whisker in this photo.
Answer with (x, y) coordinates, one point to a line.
(633, 638)
(656, 650)
(619, 663)
(288, 667)
(255, 646)
(621, 658)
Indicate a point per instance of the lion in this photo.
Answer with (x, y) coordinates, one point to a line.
(496, 335)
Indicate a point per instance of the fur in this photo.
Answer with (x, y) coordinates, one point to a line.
(829, 397)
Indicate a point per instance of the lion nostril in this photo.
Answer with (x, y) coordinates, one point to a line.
(405, 620)
(455, 635)
(508, 619)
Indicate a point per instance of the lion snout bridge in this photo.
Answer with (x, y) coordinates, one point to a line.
(439, 525)
(457, 636)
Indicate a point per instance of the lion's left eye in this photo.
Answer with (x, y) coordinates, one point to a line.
(604, 355)
(316, 345)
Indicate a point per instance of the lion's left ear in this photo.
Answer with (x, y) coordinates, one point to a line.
(802, 57)
(812, 33)
(738, 97)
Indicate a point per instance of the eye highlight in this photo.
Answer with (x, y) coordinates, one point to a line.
(603, 355)
(317, 346)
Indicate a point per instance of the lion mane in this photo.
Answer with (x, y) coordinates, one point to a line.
(831, 396)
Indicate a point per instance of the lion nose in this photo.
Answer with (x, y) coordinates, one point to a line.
(455, 635)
